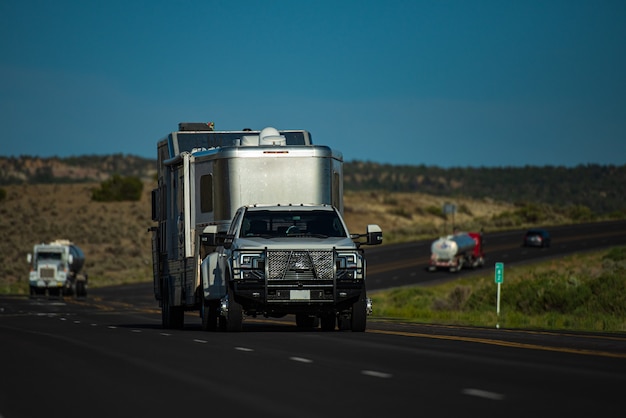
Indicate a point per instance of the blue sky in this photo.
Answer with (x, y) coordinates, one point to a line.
(441, 82)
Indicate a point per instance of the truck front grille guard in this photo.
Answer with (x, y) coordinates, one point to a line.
(300, 265)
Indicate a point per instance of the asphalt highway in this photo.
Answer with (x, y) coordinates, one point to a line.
(107, 355)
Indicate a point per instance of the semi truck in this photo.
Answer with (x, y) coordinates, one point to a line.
(57, 269)
(249, 223)
(457, 251)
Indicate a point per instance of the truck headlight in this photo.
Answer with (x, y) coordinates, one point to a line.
(347, 261)
(249, 266)
(251, 261)
(349, 266)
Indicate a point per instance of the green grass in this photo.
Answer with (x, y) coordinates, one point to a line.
(580, 292)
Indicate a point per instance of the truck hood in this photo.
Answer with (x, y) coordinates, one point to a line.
(309, 243)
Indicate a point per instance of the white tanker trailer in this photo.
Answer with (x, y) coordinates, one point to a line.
(457, 251)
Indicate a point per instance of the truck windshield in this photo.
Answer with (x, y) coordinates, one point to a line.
(48, 256)
(321, 224)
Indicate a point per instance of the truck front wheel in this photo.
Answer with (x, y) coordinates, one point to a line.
(232, 319)
(359, 314)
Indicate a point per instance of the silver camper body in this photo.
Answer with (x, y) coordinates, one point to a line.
(204, 176)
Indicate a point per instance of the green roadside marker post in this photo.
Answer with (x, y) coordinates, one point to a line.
(499, 278)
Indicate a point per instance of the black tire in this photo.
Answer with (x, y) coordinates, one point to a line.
(344, 323)
(172, 317)
(81, 290)
(358, 320)
(208, 313)
(67, 291)
(233, 320)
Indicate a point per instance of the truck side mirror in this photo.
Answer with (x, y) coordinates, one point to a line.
(29, 258)
(228, 241)
(374, 235)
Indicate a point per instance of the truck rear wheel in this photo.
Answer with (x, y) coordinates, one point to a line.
(81, 290)
(344, 323)
(208, 313)
(172, 317)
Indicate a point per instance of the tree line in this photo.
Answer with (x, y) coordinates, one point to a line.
(598, 188)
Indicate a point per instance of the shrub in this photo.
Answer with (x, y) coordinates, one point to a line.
(616, 254)
(435, 211)
(580, 213)
(530, 213)
(118, 188)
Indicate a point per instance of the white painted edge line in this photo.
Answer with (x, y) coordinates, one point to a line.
(301, 359)
(483, 394)
(136, 330)
(165, 334)
(244, 349)
(112, 327)
(374, 373)
(200, 341)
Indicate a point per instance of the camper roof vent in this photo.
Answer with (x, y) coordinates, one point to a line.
(271, 136)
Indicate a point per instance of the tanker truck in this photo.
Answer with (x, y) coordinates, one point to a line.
(454, 252)
(56, 269)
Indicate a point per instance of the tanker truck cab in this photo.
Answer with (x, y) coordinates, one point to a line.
(294, 259)
(56, 269)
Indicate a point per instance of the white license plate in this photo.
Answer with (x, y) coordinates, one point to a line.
(300, 294)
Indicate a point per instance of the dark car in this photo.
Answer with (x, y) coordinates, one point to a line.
(536, 238)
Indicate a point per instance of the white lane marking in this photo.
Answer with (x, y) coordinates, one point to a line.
(483, 394)
(165, 334)
(200, 341)
(136, 330)
(244, 349)
(77, 322)
(112, 327)
(94, 325)
(301, 359)
(374, 373)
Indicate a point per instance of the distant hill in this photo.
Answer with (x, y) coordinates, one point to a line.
(82, 169)
(598, 188)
